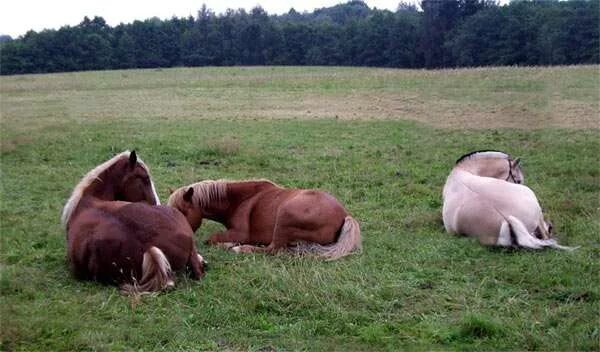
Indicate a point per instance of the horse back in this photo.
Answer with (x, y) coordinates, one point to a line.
(160, 226)
(107, 244)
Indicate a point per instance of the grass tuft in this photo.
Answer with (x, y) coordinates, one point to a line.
(479, 327)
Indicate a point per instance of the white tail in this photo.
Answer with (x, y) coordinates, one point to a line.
(513, 232)
(156, 274)
(348, 242)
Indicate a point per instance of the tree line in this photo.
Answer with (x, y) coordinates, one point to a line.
(441, 33)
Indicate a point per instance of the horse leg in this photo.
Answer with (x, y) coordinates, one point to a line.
(226, 245)
(230, 235)
(196, 263)
(247, 248)
(278, 243)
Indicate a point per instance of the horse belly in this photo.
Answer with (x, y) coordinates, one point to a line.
(261, 227)
(262, 216)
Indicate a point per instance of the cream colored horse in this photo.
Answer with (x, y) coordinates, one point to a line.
(484, 198)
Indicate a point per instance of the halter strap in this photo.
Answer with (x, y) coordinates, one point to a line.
(510, 173)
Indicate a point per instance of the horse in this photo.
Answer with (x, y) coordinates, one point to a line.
(484, 197)
(118, 233)
(259, 213)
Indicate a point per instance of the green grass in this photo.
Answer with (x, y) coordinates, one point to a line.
(413, 287)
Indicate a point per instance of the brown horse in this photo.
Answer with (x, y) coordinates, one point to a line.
(117, 231)
(260, 212)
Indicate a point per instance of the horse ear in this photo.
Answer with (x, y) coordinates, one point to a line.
(517, 162)
(132, 158)
(187, 196)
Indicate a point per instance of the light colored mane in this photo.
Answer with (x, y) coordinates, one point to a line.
(483, 154)
(206, 192)
(88, 179)
(209, 191)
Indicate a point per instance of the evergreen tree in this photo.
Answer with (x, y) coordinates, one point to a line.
(444, 33)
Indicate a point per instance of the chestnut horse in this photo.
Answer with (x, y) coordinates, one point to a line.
(259, 212)
(117, 231)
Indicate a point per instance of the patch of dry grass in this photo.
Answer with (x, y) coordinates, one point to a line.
(223, 146)
(529, 98)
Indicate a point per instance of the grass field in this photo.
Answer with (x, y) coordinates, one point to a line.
(382, 141)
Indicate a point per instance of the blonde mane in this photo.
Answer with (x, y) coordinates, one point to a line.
(209, 191)
(89, 178)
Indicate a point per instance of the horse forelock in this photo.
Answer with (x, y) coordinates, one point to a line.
(90, 177)
(483, 154)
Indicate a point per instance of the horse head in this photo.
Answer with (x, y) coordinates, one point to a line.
(124, 177)
(544, 231)
(182, 199)
(492, 163)
(131, 181)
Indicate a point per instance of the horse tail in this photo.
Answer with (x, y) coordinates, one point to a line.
(348, 242)
(156, 274)
(513, 232)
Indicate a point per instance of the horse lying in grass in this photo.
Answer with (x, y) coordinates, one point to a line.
(259, 212)
(484, 198)
(117, 232)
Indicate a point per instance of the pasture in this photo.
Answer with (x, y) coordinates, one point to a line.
(381, 140)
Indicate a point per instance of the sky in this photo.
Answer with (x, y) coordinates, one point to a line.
(19, 16)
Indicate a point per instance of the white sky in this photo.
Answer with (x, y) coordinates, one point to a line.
(19, 16)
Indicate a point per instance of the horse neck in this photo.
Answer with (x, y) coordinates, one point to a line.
(236, 194)
(484, 167)
(101, 188)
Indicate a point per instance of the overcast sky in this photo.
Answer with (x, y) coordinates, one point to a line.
(19, 16)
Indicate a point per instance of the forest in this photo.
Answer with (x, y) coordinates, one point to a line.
(436, 34)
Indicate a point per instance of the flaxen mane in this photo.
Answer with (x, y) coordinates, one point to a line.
(209, 191)
(206, 192)
(88, 179)
(483, 154)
